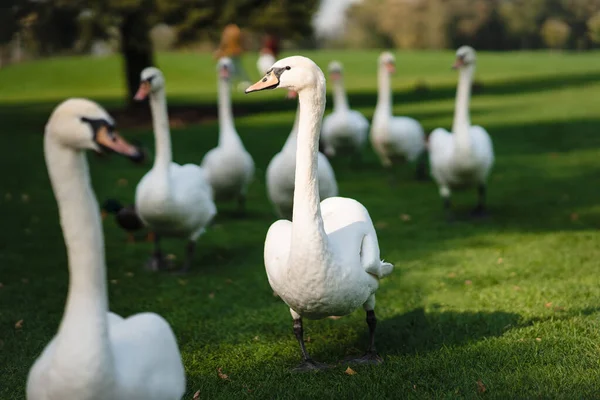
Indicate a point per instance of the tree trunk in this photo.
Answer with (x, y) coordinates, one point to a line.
(136, 49)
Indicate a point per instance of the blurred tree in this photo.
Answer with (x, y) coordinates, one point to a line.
(555, 33)
(593, 25)
(576, 13)
(523, 19)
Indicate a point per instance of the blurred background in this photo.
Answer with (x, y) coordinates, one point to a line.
(31, 29)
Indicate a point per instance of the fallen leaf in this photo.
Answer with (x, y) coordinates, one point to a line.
(211, 295)
(553, 155)
(256, 338)
(537, 339)
(516, 287)
(122, 182)
(452, 275)
(500, 260)
(129, 274)
(334, 317)
(548, 305)
(1, 285)
(521, 340)
(481, 387)
(308, 339)
(468, 282)
(8, 196)
(171, 257)
(350, 371)
(228, 281)
(114, 281)
(19, 324)
(182, 282)
(25, 280)
(405, 217)
(25, 198)
(381, 225)
(574, 216)
(221, 374)
(196, 395)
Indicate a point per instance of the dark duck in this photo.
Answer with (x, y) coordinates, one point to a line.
(126, 217)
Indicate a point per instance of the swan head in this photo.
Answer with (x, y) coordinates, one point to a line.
(151, 81)
(294, 73)
(82, 124)
(387, 61)
(335, 70)
(465, 56)
(225, 68)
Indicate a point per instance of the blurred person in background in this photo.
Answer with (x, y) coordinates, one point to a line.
(231, 46)
(268, 53)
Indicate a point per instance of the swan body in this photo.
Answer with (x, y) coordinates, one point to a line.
(173, 200)
(229, 167)
(344, 129)
(282, 169)
(326, 260)
(463, 158)
(96, 354)
(393, 138)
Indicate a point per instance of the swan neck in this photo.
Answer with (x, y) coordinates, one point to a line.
(340, 99)
(307, 220)
(162, 134)
(383, 109)
(227, 132)
(84, 326)
(462, 120)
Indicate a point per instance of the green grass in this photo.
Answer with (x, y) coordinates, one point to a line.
(513, 301)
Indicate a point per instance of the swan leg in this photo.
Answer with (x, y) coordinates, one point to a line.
(307, 364)
(480, 210)
(371, 356)
(156, 261)
(190, 249)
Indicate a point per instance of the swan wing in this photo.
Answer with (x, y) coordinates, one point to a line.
(280, 183)
(483, 149)
(276, 254)
(147, 359)
(409, 135)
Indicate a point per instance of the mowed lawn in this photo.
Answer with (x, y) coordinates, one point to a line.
(507, 307)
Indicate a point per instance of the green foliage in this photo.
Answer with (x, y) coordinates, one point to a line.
(555, 33)
(594, 27)
(511, 301)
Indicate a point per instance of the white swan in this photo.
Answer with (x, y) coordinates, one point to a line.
(465, 157)
(344, 129)
(394, 138)
(264, 62)
(174, 200)
(229, 167)
(326, 262)
(96, 354)
(281, 172)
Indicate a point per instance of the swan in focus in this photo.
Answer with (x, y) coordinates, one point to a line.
(325, 262)
(282, 169)
(395, 139)
(463, 158)
(344, 129)
(229, 167)
(96, 355)
(173, 200)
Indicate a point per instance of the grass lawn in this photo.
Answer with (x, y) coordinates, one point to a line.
(507, 307)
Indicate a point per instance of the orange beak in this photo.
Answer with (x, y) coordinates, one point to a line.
(458, 63)
(143, 91)
(114, 142)
(270, 81)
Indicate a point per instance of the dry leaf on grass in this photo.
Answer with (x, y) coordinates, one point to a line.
(122, 182)
(500, 260)
(114, 281)
(481, 387)
(196, 395)
(1, 285)
(381, 225)
(171, 257)
(19, 324)
(405, 217)
(548, 305)
(129, 274)
(468, 282)
(350, 371)
(452, 275)
(574, 217)
(25, 198)
(228, 281)
(516, 287)
(334, 317)
(537, 339)
(182, 282)
(211, 295)
(221, 374)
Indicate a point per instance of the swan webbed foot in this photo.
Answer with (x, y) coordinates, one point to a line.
(371, 356)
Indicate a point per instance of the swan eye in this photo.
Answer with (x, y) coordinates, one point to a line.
(288, 67)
